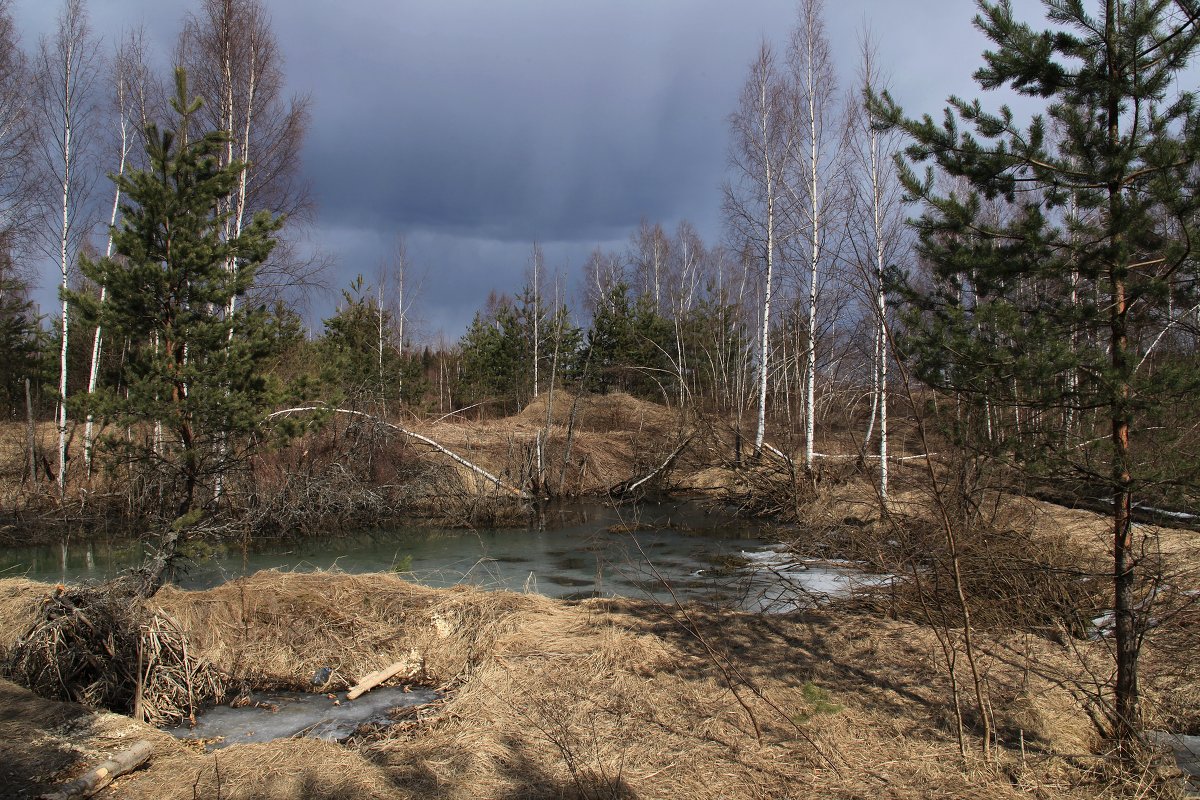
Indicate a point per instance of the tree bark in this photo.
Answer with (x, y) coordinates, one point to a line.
(103, 775)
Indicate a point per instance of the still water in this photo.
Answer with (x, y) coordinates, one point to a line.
(662, 550)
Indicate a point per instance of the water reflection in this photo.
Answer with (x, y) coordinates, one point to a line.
(576, 550)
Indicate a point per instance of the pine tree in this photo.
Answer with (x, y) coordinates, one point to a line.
(1063, 258)
(626, 349)
(168, 294)
(22, 343)
(359, 359)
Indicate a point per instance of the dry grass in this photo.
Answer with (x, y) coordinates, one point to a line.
(597, 699)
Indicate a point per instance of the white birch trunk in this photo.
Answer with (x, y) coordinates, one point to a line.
(537, 313)
(97, 339)
(815, 200)
(764, 343)
(379, 347)
(64, 265)
(881, 312)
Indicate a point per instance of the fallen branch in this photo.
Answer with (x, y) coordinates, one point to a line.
(631, 485)
(371, 680)
(103, 775)
(500, 483)
(779, 453)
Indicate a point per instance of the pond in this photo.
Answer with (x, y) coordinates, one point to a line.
(663, 550)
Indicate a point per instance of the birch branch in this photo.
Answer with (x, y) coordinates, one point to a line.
(478, 470)
(626, 487)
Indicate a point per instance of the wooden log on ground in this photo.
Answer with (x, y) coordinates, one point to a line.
(96, 779)
(372, 680)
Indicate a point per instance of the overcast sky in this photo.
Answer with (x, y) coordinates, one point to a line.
(473, 127)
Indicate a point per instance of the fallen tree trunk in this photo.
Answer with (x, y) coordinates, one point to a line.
(625, 487)
(478, 470)
(96, 779)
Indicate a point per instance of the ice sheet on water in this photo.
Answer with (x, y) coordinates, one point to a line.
(290, 714)
(781, 582)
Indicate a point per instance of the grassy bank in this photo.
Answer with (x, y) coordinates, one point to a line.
(595, 699)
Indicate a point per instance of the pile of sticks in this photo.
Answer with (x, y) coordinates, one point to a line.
(99, 646)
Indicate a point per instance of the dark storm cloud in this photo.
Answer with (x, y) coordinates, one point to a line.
(557, 120)
(474, 128)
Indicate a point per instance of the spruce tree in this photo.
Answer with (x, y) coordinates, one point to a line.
(169, 288)
(1064, 265)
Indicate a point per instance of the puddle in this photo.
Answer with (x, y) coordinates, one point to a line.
(287, 715)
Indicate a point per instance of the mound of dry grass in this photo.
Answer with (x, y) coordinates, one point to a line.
(601, 699)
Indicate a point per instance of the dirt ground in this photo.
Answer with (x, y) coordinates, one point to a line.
(603, 698)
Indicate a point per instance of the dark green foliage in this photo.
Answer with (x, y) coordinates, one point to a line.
(496, 363)
(1047, 223)
(22, 343)
(359, 359)
(191, 367)
(628, 348)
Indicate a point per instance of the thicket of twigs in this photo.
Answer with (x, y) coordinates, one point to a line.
(99, 646)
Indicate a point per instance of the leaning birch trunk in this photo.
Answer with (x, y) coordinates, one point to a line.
(478, 470)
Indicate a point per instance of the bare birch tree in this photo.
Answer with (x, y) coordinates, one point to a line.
(18, 184)
(757, 200)
(396, 295)
(602, 271)
(233, 61)
(68, 68)
(876, 231)
(536, 269)
(648, 253)
(129, 107)
(819, 160)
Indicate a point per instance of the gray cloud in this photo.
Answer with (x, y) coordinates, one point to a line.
(475, 127)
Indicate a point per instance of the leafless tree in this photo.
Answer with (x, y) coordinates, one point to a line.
(686, 260)
(602, 271)
(18, 186)
(649, 250)
(817, 192)
(758, 204)
(131, 93)
(68, 69)
(233, 62)
(876, 238)
(397, 290)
